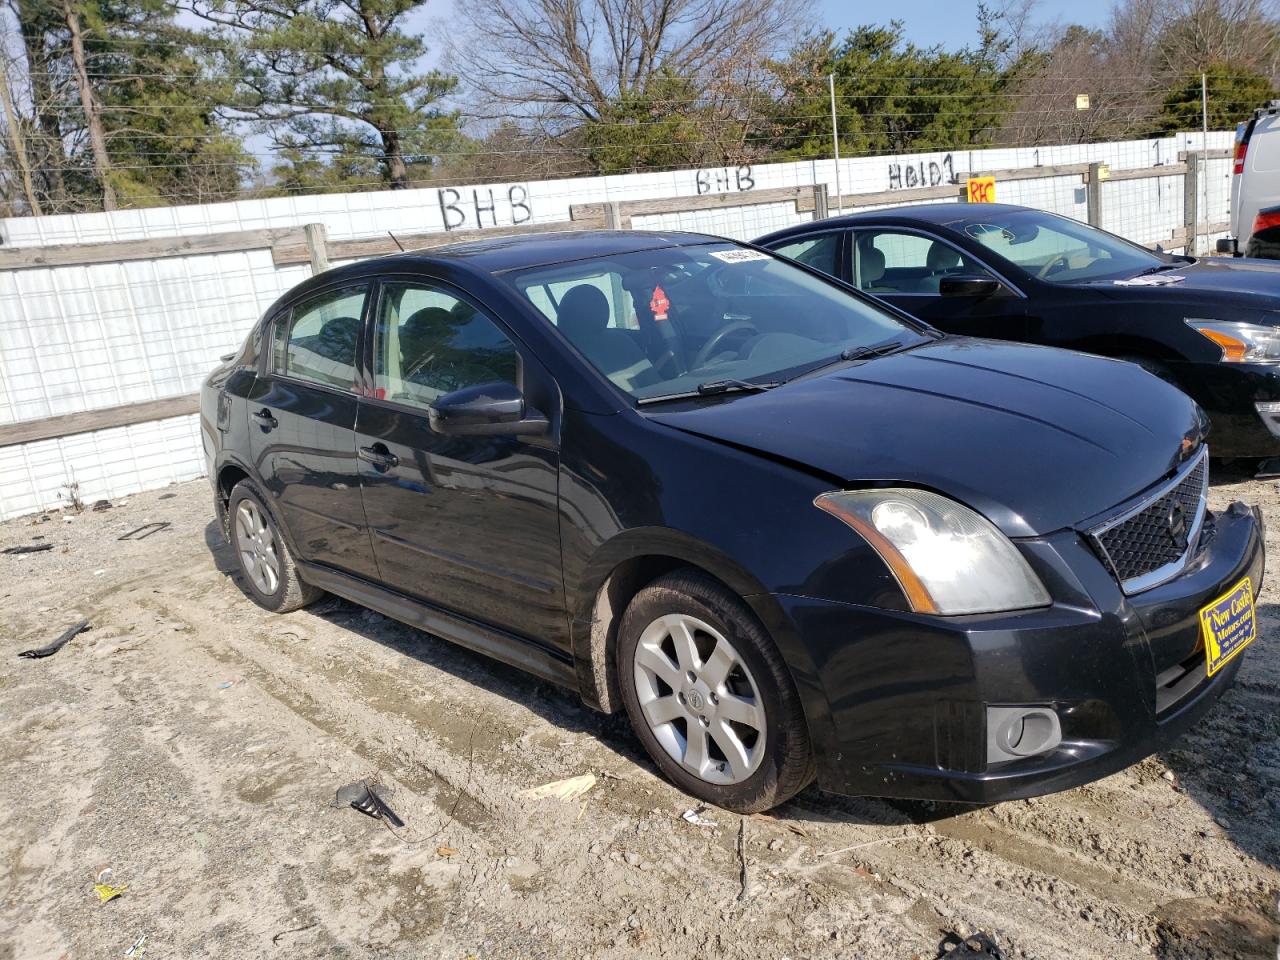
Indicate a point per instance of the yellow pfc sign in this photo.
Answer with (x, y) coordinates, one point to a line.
(982, 189)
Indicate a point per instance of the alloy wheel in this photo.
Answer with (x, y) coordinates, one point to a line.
(699, 699)
(257, 546)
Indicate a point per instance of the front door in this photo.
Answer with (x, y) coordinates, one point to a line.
(302, 426)
(466, 523)
(906, 269)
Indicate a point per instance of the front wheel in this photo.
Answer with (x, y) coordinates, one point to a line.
(710, 696)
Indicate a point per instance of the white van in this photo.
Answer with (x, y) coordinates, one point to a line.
(1255, 187)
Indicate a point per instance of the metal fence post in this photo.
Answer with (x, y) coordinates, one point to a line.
(1191, 202)
(1093, 194)
(821, 208)
(317, 247)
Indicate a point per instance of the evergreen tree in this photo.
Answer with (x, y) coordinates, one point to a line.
(338, 87)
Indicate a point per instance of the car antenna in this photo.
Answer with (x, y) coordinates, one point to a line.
(397, 242)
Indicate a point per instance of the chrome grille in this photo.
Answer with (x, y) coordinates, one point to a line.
(1150, 542)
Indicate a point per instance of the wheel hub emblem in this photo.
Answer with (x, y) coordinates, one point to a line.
(695, 700)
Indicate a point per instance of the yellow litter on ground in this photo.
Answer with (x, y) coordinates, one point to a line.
(565, 790)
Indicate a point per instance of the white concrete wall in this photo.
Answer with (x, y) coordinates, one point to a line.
(82, 338)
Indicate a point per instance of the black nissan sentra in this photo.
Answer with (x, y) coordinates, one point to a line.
(792, 532)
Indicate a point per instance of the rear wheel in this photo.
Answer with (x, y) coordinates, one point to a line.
(710, 697)
(270, 575)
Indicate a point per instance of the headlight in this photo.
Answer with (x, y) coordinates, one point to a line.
(1241, 342)
(948, 559)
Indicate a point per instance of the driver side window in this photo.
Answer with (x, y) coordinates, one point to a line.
(895, 262)
(428, 342)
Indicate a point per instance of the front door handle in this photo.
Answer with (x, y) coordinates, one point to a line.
(264, 418)
(379, 456)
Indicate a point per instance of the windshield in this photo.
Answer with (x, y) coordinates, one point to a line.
(1060, 250)
(666, 322)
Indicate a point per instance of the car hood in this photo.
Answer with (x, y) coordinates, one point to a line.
(1248, 280)
(1034, 438)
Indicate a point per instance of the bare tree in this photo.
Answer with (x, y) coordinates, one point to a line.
(566, 62)
(92, 113)
(16, 138)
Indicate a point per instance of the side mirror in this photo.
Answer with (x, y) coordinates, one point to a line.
(487, 409)
(968, 285)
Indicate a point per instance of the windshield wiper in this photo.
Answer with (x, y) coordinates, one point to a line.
(1160, 268)
(850, 354)
(712, 388)
(732, 386)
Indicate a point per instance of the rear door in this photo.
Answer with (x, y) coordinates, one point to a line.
(906, 268)
(466, 523)
(302, 417)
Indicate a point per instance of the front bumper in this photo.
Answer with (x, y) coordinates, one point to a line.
(906, 695)
(1228, 393)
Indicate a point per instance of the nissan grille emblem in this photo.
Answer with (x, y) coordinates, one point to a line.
(1176, 520)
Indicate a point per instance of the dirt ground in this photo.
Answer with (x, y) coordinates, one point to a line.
(193, 743)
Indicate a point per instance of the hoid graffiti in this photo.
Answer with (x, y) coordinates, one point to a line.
(932, 173)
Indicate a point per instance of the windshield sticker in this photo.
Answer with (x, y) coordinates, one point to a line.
(659, 304)
(1151, 280)
(738, 256)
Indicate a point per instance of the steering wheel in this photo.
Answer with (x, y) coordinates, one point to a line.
(713, 342)
(1060, 262)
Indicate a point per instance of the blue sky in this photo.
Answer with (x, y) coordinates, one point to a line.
(949, 22)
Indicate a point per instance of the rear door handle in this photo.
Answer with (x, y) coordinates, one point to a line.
(379, 456)
(264, 418)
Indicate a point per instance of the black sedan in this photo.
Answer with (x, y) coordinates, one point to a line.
(1210, 326)
(789, 530)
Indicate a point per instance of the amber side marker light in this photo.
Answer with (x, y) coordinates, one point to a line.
(1233, 350)
(917, 594)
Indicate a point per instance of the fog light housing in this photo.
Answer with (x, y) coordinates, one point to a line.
(1269, 411)
(1016, 732)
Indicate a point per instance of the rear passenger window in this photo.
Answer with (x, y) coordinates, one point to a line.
(317, 340)
(817, 252)
(428, 342)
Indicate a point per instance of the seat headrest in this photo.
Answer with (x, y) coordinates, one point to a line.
(337, 339)
(583, 312)
(423, 321)
(942, 257)
(871, 265)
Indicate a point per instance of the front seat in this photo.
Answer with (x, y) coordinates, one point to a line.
(871, 271)
(583, 317)
(941, 260)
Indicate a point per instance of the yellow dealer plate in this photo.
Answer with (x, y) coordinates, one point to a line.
(1229, 625)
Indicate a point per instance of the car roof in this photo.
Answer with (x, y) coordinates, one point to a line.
(934, 214)
(501, 253)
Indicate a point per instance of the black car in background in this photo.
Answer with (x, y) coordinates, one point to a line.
(789, 530)
(1209, 326)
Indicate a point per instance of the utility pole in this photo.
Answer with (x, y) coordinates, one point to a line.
(835, 140)
(92, 116)
(1204, 153)
(15, 134)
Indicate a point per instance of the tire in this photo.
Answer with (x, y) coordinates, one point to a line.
(742, 695)
(268, 574)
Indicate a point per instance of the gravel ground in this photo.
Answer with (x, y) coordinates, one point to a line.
(193, 743)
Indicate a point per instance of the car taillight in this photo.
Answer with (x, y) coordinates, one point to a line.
(1266, 219)
(1241, 149)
